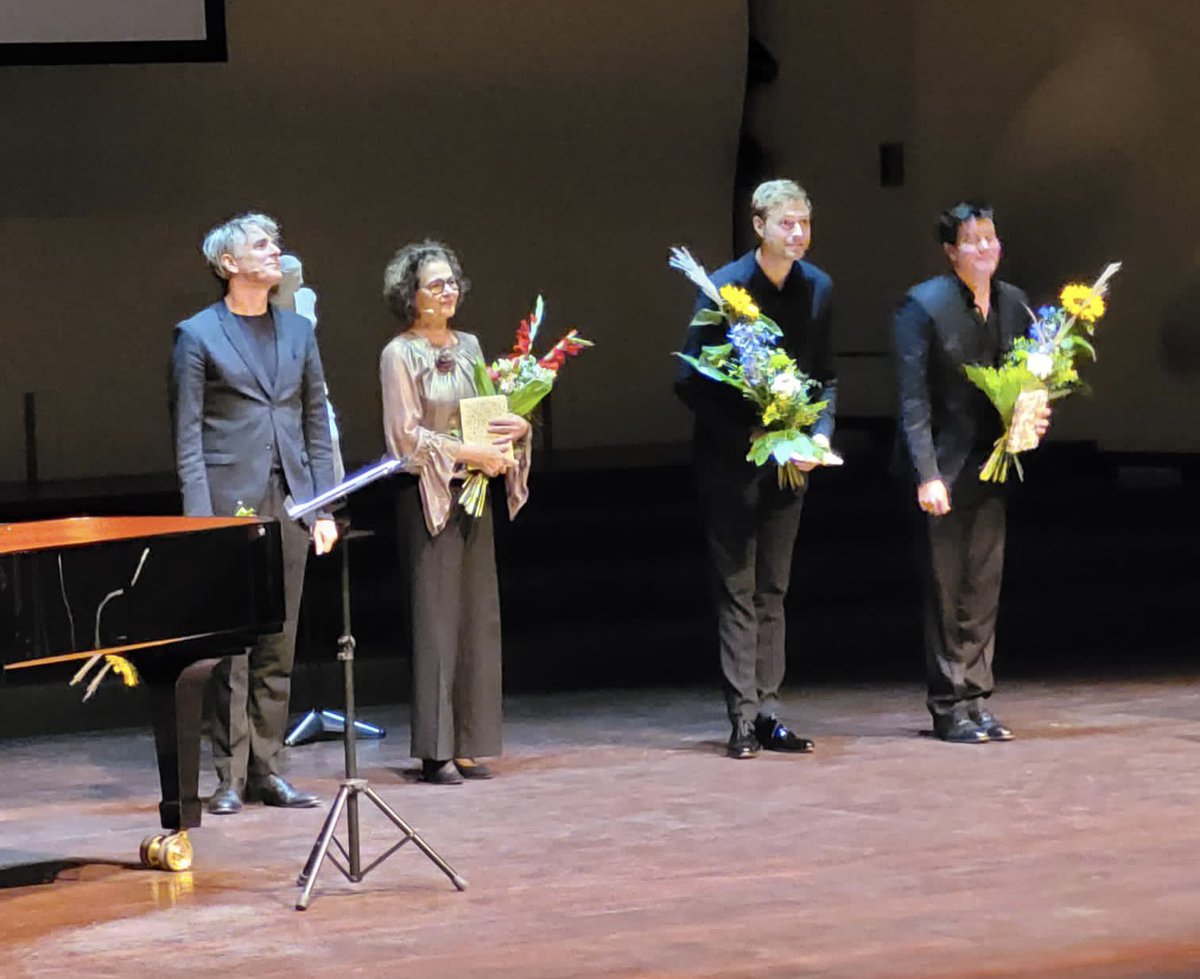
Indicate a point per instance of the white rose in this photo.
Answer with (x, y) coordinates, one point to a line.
(786, 385)
(1040, 365)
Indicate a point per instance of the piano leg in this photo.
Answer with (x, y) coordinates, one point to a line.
(177, 702)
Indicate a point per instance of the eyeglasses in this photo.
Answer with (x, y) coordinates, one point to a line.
(435, 287)
(978, 244)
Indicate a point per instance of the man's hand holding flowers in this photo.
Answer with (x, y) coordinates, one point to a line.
(1040, 368)
(766, 375)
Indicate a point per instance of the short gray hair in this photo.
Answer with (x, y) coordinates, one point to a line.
(226, 238)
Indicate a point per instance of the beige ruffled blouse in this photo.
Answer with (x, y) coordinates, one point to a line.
(422, 385)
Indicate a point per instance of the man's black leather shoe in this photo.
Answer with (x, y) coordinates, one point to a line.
(275, 790)
(959, 730)
(994, 729)
(773, 735)
(226, 800)
(742, 742)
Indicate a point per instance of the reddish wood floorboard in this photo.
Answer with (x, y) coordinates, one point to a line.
(618, 841)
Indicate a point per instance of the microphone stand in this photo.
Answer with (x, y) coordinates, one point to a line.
(352, 786)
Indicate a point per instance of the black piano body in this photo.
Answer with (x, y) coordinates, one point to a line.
(170, 594)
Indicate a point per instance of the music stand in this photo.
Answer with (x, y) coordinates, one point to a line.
(352, 786)
(321, 721)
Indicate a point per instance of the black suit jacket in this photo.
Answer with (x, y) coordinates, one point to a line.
(228, 416)
(803, 311)
(944, 418)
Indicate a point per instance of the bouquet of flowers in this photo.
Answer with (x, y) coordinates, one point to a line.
(764, 374)
(1038, 369)
(524, 379)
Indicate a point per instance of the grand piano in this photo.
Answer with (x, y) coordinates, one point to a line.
(171, 595)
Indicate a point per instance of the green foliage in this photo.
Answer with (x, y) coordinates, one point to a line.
(707, 317)
(528, 396)
(483, 380)
(771, 325)
(1002, 385)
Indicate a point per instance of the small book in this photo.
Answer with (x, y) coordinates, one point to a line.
(474, 415)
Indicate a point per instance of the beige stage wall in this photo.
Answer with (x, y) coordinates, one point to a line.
(560, 146)
(1075, 118)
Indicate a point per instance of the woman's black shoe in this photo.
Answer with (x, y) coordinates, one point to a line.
(470, 768)
(440, 772)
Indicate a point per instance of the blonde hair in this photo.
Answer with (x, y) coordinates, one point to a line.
(773, 192)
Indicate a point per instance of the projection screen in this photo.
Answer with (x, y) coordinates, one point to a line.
(40, 32)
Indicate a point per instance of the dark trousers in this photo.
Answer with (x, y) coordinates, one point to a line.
(750, 527)
(250, 703)
(454, 610)
(962, 566)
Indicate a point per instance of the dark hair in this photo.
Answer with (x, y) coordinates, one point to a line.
(401, 277)
(953, 218)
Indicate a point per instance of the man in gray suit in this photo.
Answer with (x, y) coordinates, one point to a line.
(251, 430)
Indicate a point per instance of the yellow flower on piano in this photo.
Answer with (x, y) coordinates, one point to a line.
(123, 668)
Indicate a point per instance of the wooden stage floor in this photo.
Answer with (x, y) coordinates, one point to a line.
(618, 841)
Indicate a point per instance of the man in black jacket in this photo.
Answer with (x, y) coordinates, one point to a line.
(750, 521)
(251, 428)
(947, 430)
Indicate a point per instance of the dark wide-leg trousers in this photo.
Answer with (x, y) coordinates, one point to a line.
(750, 527)
(962, 566)
(251, 692)
(454, 609)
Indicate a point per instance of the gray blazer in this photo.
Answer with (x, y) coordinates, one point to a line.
(227, 415)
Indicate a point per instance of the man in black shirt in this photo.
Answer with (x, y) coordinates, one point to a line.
(947, 430)
(750, 521)
(251, 428)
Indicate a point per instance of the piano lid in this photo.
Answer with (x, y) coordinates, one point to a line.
(73, 587)
(40, 535)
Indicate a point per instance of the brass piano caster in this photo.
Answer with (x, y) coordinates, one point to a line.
(170, 851)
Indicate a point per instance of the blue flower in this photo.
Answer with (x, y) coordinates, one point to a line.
(753, 344)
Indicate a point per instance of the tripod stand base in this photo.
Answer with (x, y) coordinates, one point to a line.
(347, 800)
(317, 724)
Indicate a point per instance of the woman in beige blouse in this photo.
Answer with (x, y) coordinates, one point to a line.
(447, 557)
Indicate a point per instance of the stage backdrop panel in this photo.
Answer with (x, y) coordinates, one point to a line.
(75, 22)
(561, 147)
(1074, 118)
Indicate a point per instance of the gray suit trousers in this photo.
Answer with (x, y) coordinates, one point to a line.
(251, 692)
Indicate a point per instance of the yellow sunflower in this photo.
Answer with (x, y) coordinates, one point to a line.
(1080, 301)
(738, 304)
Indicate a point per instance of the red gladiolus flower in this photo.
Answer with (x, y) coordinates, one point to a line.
(523, 342)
